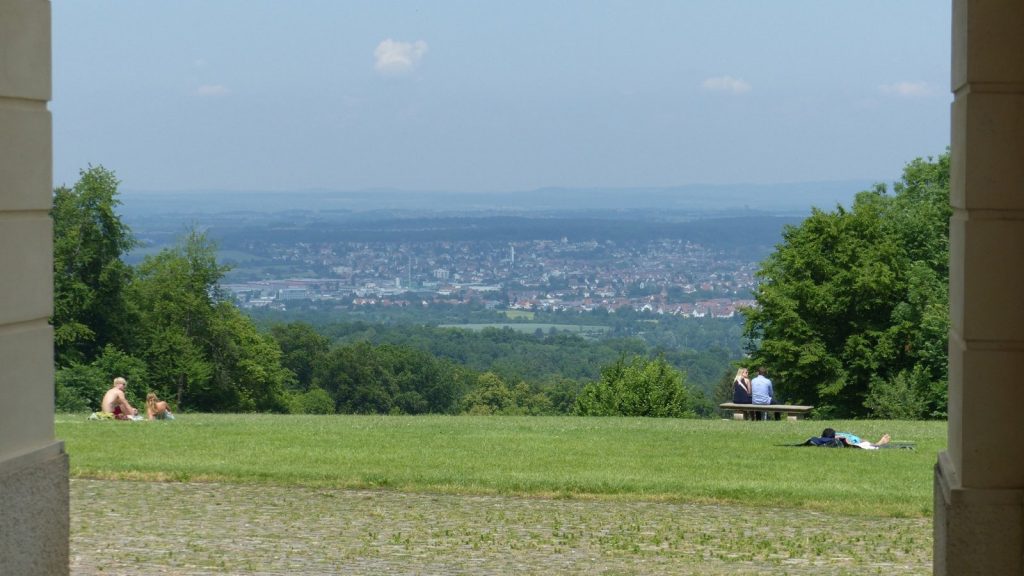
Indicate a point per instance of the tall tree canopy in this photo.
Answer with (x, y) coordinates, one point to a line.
(200, 349)
(302, 348)
(852, 307)
(89, 306)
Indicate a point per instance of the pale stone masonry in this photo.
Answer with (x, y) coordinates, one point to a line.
(979, 480)
(33, 466)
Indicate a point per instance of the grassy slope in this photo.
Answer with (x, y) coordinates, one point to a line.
(647, 459)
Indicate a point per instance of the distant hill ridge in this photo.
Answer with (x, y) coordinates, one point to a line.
(790, 198)
(752, 232)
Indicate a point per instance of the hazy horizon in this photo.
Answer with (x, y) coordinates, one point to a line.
(695, 200)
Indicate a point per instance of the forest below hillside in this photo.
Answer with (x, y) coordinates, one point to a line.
(655, 332)
(533, 358)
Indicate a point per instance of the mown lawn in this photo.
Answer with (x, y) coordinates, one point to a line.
(686, 461)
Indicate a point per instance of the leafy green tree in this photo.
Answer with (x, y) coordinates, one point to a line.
(113, 362)
(533, 400)
(247, 371)
(200, 349)
(177, 363)
(175, 291)
(639, 387)
(302, 348)
(561, 392)
(492, 395)
(905, 397)
(90, 310)
(855, 300)
(80, 387)
(388, 379)
(355, 378)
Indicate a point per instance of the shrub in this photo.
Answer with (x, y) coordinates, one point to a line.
(640, 387)
(905, 397)
(313, 401)
(80, 388)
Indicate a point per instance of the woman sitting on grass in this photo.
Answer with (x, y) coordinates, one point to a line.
(157, 409)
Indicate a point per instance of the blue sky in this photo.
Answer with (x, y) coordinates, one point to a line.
(496, 96)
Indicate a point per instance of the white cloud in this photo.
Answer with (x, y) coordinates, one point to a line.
(213, 90)
(906, 89)
(725, 84)
(396, 58)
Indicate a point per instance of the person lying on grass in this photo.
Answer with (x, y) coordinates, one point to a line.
(854, 440)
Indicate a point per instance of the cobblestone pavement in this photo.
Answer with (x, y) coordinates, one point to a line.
(124, 527)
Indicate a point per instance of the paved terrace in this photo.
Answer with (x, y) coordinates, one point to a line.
(190, 529)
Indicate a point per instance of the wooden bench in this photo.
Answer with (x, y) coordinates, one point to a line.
(792, 412)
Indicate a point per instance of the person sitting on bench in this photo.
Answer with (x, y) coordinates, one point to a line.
(741, 391)
(762, 392)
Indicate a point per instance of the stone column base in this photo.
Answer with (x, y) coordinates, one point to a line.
(977, 531)
(34, 512)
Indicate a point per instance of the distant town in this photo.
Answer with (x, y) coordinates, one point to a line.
(668, 276)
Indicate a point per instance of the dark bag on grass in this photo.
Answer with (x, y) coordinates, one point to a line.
(825, 442)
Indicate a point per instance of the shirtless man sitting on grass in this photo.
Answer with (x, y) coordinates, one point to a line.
(115, 403)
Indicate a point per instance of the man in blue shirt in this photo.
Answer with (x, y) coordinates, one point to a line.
(761, 388)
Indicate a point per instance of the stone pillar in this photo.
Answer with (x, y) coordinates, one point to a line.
(979, 481)
(33, 465)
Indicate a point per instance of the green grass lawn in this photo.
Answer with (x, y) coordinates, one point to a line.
(703, 461)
